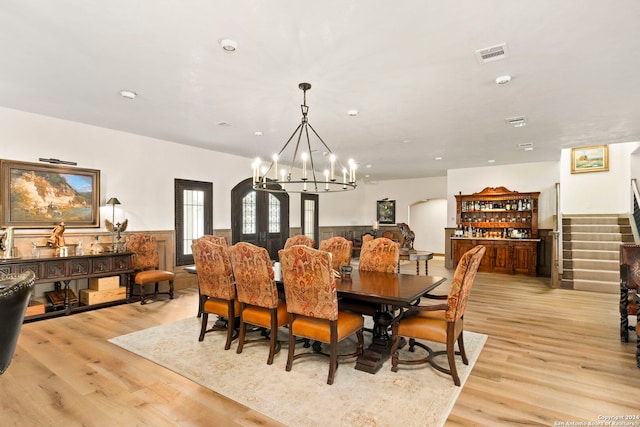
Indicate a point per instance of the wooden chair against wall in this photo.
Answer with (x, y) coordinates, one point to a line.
(146, 263)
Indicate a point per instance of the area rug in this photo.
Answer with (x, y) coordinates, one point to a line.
(413, 396)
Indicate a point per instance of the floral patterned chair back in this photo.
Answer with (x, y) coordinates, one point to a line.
(340, 249)
(380, 255)
(254, 276)
(309, 285)
(145, 251)
(367, 237)
(462, 281)
(299, 239)
(218, 240)
(215, 276)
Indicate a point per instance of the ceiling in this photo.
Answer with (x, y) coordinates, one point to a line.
(409, 68)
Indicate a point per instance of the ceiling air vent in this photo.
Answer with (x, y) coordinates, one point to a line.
(493, 53)
(516, 122)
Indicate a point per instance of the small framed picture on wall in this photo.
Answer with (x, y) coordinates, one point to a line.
(386, 211)
(590, 159)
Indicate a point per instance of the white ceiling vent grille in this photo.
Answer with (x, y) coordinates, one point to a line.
(493, 53)
(525, 145)
(517, 122)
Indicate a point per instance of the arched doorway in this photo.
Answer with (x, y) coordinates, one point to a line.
(259, 217)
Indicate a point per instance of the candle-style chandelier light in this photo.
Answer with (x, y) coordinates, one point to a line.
(332, 176)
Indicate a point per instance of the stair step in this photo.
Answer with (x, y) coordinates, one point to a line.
(591, 264)
(591, 245)
(595, 219)
(596, 236)
(597, 275)
(591, 254)
(591, 285)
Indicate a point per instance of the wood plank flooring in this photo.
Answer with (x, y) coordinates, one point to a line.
(552, 356)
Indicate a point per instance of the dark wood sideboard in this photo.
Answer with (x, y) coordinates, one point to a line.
(62, 270)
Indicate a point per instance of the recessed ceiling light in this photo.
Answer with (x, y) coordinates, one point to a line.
(503, 80)
(352, 113)
(128, 94)
(229, 45)
(438, 158)
(368, 166)
(257, 133)
(528, 149)
(491, 161)
(223, 124)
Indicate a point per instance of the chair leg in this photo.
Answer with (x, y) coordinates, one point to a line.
(203, 329)
(142, 300)
(451, 354)
(463, 353)
(273, 336)
(292, 343)
(230, 327)
(333, 352)
(170, 289)
(243, 332)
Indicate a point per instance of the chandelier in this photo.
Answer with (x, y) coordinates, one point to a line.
(331, 175)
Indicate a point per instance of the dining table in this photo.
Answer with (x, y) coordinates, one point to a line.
(389, 292)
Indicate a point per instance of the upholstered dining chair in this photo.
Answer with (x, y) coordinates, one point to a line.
(146, 264)
(15, 293)
(217, 290)
(299, 239)
(380, 255)
(340, 249)
(442, 323)
(218, 240)
(257, 294)
(366, 237)
(312, 304)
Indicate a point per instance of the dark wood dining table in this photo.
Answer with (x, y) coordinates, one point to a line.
(389, 292)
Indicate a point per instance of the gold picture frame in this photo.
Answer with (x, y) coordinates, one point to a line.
(36, 195)
(590, 159)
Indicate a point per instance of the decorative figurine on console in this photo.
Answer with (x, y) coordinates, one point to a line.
(6, 243)
(116, 230)
(56, 240)
(409, 237)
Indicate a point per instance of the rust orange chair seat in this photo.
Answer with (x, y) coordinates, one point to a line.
(348, 323)
(146, 262)
(441, 323)
(312, 304)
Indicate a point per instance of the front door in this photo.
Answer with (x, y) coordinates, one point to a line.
(259, 217)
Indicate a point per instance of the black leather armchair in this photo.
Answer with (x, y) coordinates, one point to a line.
(15, 292)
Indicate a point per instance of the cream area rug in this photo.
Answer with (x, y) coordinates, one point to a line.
(413, 396)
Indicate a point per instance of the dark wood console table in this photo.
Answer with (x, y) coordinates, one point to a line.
(62, 270)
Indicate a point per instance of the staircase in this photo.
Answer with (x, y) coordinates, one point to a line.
(591, 251)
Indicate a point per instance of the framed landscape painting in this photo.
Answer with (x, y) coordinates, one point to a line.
(386, 212)
(590, 159)
(35, 195)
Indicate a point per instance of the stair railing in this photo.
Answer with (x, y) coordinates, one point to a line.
(636, 210)
(556, 255)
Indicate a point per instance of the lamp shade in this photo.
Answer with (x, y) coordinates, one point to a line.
(113, 201)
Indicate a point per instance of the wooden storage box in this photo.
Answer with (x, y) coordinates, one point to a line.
(57, 297)
(91, 296)
(104, 283)
(35, 307)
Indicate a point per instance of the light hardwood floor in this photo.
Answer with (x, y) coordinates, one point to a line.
(552, 356)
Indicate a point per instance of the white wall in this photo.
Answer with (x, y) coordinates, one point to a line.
(524, 178)
(598, 192)
(428, 220)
